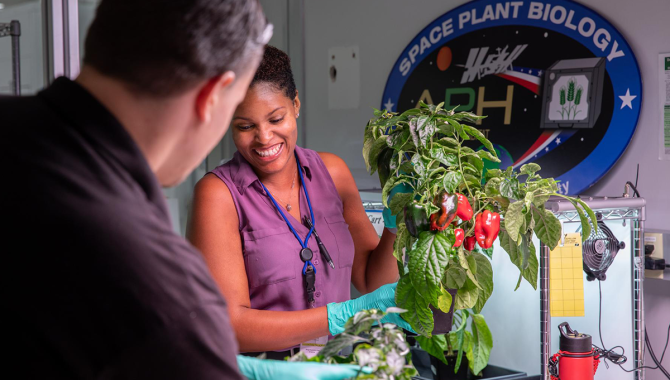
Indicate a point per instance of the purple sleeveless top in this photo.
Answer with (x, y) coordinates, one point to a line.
(271, 251)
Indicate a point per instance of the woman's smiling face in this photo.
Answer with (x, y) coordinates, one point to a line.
(265, 129)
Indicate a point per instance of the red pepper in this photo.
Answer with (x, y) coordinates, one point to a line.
(479, 230)
(487, 226)
(447, 205)
(491, 226)
(464, 209)
(460, 235)
(469, 244)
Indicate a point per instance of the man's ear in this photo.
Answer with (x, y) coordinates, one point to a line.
(209, 94)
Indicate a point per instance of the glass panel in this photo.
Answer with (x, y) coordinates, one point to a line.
(31, 58)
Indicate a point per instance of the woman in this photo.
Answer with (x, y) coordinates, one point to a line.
(249, 213)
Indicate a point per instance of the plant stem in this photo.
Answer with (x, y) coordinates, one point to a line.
(460, 166)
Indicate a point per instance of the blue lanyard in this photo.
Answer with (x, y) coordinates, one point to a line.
(311, 214)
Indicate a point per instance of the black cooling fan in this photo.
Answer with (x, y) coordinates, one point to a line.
(599, 251)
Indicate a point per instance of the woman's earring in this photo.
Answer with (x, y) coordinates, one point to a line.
(297, 115)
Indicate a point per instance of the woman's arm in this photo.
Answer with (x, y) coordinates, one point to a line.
(374, 263)
(214, 230)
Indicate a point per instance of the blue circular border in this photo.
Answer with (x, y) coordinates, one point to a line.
(624, 73)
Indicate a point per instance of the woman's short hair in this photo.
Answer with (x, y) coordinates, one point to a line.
(275, 70)
(164, 47)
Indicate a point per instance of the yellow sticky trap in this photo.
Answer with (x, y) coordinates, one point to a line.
(566, 287)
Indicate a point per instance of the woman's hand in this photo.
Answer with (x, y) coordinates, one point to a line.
(382, 299)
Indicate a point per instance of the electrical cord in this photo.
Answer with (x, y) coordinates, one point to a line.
(629, 183)
(619, 359)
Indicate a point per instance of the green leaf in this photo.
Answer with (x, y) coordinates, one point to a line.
(448, 142)
(426, 131)
(466, 297)
(377, 147)
(455, 276)
(529, 169)
(367, 146)
(491, 187)
(547, 227)
(427, 262)
(476, 162)
(413, 131)
(592, 215)
(470, 168)
(486, 155)
(512, 249)
(340, 341)
(486, 251)
(418, 165)
(442, 157)
(467, 348)
(398, 139)
(472, 180)
(418, 314)
(451, 181)
(465, 263)
(401, 241)
(480, 136)
(514, 220)
(444, 301)
(485, 279)
(482, 343)
(493, 173)
(435, 346)
(384, 162)
(509, 188)
(586, 226)
(388, 186)
(399, 201)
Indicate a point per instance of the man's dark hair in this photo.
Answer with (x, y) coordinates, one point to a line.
(164, 47)
(275, 69)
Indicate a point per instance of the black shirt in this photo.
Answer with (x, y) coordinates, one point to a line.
(95, 282)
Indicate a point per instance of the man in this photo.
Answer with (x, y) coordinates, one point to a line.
(97, 285)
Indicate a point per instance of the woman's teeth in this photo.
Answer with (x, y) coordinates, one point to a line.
(268, 152)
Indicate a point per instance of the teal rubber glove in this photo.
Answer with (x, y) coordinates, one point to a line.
(382, 298)
(390, 220)
(258, 369)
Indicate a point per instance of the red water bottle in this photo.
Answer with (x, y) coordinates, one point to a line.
(576, 359)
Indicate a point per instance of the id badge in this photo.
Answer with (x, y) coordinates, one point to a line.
(312, 347)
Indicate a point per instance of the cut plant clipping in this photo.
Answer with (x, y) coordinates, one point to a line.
(379, 347)
(449, 212)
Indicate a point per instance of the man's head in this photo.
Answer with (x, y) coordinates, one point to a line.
(184, 64)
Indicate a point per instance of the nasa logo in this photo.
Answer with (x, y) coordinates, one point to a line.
(558, 83)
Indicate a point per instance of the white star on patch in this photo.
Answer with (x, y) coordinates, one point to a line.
(626, 100)
(558, 141)
(389, 105)
(539, 72)
(546, 149)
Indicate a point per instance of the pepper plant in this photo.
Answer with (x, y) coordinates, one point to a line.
(449, 212)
